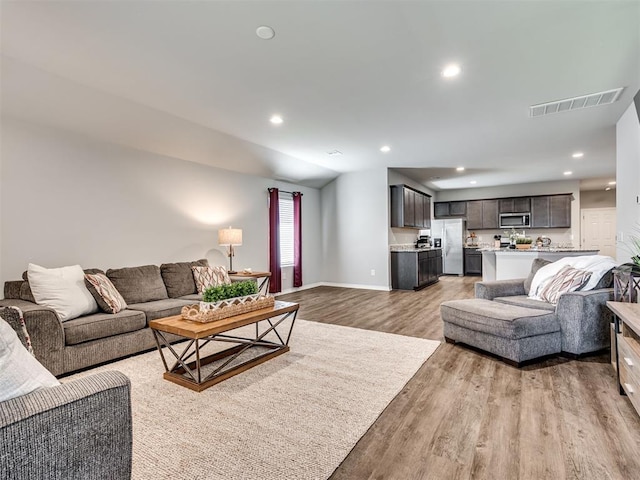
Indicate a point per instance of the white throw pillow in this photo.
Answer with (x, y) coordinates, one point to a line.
(62, 289)
(20, 372)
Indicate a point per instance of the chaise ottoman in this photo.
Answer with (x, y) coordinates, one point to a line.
(515, 333)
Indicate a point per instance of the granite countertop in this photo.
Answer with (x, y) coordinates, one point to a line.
(401, 248)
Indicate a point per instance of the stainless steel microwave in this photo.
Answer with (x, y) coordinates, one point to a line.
(515, 220)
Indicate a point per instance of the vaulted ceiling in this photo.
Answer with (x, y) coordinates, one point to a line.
(192, 80)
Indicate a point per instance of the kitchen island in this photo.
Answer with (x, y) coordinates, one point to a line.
(506, 264)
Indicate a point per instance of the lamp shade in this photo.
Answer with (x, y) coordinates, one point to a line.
(230, 236)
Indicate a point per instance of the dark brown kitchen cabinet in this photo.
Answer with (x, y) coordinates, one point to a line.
(449, 209)
(410, 208)
(413, 270)
(560, 211)
(472, 261)
(489, 214)
(551, 211)
(482, 214)
(474, 215)
(457, 209)
(514, 205)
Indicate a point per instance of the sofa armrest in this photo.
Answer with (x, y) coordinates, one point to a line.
(46, 332)
(585, 320)
(78, 430)
(500, 288)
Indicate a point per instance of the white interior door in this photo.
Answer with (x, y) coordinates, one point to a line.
(598, 230)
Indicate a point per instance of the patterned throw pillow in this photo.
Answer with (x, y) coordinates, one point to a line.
(568, 279)
(105, 293)
(206, 277)
(13, 316)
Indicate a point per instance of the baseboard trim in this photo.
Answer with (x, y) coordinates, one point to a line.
(356, 285)
(331, 284)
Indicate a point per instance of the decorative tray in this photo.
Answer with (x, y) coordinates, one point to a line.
(211, 311)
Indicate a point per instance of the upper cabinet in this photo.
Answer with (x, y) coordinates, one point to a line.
(410, 208)
(551, 211)
(482, 214)
(449, 209)
(515, 205)
(547, 211)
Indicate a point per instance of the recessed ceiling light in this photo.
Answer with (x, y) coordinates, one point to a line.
(473, 182)
(612, 183)
(578, 155)
(276, 119)
(385, 149)
(451, 70)
(608, 188)
(265, 32)
(334, 153)
(568, 173)
(460, 169)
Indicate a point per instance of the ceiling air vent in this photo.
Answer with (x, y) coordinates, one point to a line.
(591, 100)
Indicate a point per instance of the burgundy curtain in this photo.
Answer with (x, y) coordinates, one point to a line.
(297, 239)
(275, 285)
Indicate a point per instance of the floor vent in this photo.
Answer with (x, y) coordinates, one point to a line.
(575, 103)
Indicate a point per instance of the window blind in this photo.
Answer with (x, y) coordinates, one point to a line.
(286, 231)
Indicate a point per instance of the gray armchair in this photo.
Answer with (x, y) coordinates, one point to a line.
(78, 430)
(584, 318)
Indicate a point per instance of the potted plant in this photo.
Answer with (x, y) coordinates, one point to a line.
(523, 243)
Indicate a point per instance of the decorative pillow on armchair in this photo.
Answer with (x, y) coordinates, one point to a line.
(206, 277)
(568, 279)
(20, 372)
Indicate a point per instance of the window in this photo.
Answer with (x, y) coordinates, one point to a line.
(286, 231)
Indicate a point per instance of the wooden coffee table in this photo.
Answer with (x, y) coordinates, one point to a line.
(193, 371)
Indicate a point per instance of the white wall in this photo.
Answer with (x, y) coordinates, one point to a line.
(627, 180)
(598, 199)
(65, 199)
(558, 235)
(355, 223)
(399, 236)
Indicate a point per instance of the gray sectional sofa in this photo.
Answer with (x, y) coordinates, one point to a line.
(150, 292)
(502, 320)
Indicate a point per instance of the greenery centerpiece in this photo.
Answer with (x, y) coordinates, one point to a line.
(230, 290)
(227, 300)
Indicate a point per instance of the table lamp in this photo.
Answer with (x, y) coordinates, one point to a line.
(231, 237)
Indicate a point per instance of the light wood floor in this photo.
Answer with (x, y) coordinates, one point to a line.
(468, 415)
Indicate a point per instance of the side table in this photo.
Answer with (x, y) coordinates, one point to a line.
(263, 285)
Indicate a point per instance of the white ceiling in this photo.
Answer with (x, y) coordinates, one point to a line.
(193, 81)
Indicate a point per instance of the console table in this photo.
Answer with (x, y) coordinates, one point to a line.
(263, 285)
(627, 349)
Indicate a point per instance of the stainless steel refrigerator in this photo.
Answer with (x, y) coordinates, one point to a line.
(452, 232)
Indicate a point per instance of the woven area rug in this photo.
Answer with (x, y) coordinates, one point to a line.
(296, 416)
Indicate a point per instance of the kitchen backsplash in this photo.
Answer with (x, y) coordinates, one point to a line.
(557, 235)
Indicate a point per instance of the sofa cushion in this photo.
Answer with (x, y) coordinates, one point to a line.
(25, 292)
(178, 277)
(537, 264)
(524, 301)
(62, 289)
(105, 293)
(101, 325)
(499, 319)
(194, 297)
(138, 284)
(20, 372)
(606, 281)
(161, 308)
